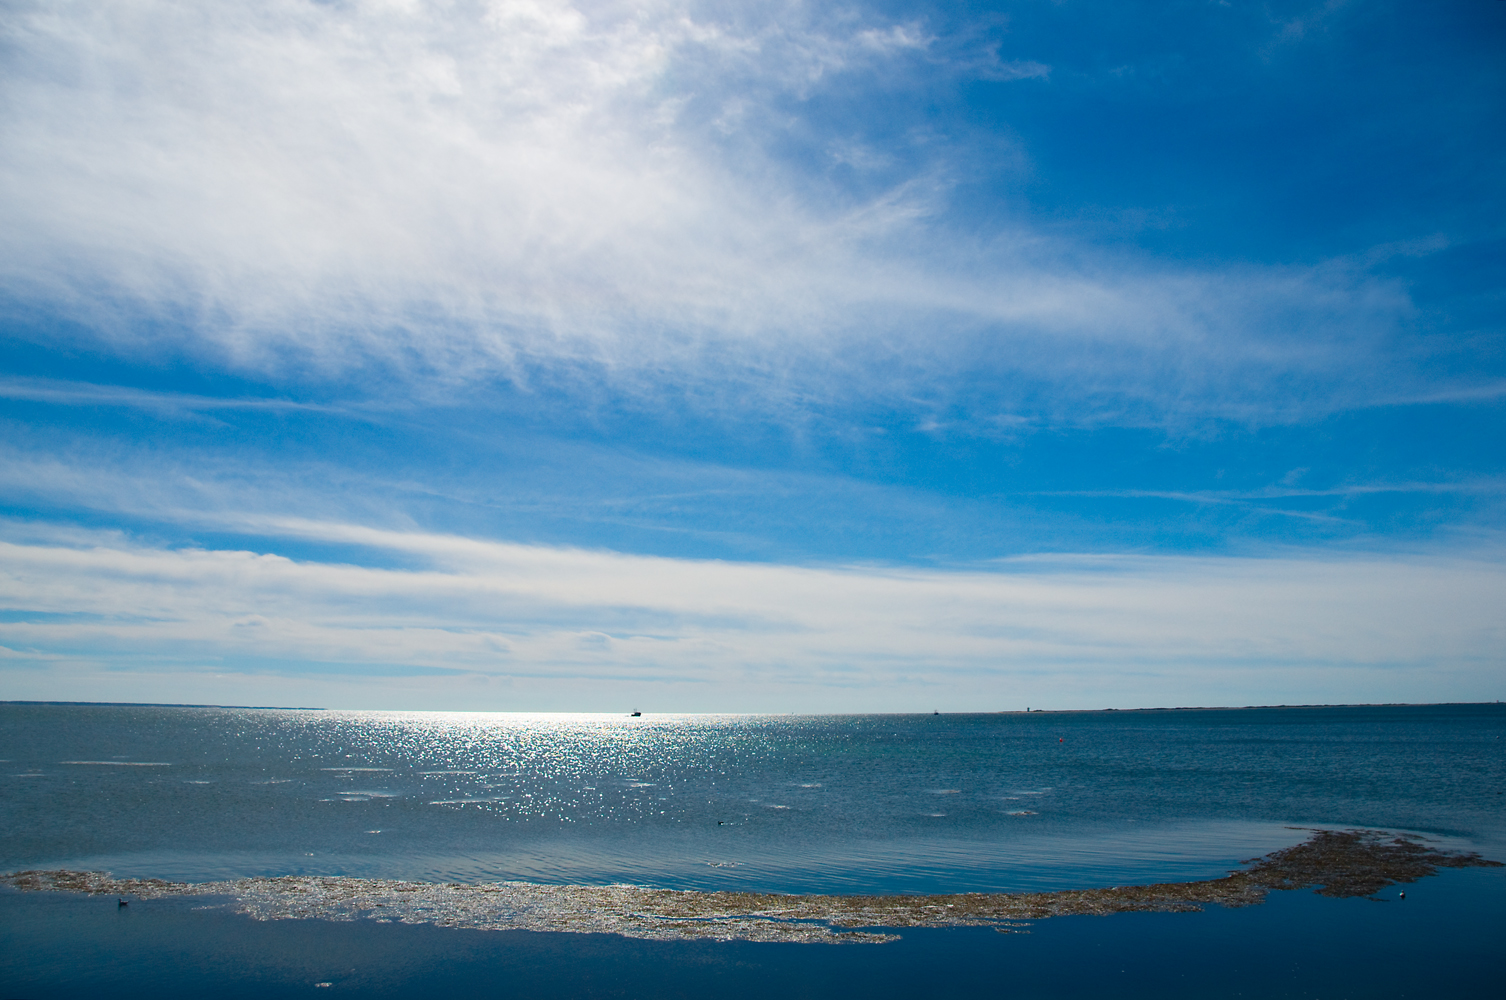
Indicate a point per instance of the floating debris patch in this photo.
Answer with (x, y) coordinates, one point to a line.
(1334, 862)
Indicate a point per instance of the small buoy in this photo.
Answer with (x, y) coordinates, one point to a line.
(1061, 739)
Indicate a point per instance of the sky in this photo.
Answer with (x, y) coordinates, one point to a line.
(534, 355)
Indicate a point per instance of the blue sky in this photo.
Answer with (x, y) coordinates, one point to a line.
(753, 357)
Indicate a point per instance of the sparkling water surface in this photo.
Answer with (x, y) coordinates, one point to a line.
(867, 804)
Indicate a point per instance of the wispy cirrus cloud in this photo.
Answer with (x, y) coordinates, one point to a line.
(606, 198)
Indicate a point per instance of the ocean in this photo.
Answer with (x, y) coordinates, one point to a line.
(352, 803)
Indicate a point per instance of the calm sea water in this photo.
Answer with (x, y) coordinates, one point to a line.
(866, 804)
(850, 804)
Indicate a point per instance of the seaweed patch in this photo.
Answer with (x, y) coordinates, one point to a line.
(1332, 862)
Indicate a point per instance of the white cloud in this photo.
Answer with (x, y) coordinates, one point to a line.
(538, 189)
(579, 628)
(523, 169)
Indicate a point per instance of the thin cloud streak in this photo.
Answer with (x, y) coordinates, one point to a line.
(1481, 486)
(59, 392)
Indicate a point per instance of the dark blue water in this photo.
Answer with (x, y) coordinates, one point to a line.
(796, 804)
(849, 804)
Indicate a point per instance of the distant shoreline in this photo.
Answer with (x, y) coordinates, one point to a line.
(1234, 708)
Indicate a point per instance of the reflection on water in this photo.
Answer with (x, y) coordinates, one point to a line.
(796, 804)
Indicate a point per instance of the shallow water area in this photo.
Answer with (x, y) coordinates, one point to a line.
(1334, 863)
(1297, 945)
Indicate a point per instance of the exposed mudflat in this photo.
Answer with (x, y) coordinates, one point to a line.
(1334, 863)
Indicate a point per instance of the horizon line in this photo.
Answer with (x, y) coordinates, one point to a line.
(1026, 711)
